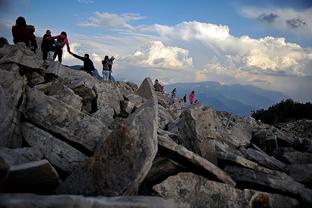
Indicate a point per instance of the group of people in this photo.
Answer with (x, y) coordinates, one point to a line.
(54, 45)
(160, 88)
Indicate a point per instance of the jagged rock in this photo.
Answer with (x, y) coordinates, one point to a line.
(20, 155)
(271, 181)
(59, 118)
(301, 173)
(122, 161)
(164, 117)
(163, 99)
(34, 78)
(60, 201)
(12, 97)
(126, 106)
(88, 98)
(161, 169)
(175, 109)
(146, 89)
(264, 159)
(295, 157)
(59, 153)
(136, 99)
(192, 161)
(36, 177)
(301, 128)
(190, 190)
(227, 157)
(20, 54)
(61, 92)
(133, 86)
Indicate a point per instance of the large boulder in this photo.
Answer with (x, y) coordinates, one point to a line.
(61, 92)
(122, 161)
(35, 177)
(71, 201)
(190, 190)
(269, 180)
(12, 88)
(301, 173)
(192, 161)
(20, 155)
(68, 123)
(60, 154)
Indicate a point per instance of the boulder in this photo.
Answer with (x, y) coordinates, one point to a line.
(301, 173)
(164, 117)
(59, 153)
(136, 99)
(191, 161)
(295, 157)
(21, 55)
(34, 78)
(126, 106)
(20, 155)
(68, 123)
(35, 177)
(190, 190)
(146, 89)
(61, 92)
(264, 159)
(11, 103)
(70, 201)
(272, 181)
(122, 161)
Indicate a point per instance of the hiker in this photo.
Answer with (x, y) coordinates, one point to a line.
(3, 42)
(46, 44)
(173, 93)
(184, 99)
(87, 63)
(192, 97)
(24, 33)
(107, 67)
(158, 87)
(61, 40)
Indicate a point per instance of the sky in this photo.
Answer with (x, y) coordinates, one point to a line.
(264, 43)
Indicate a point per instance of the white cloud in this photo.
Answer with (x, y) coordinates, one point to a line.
(285, 19)
(156, 54)
(111, 20)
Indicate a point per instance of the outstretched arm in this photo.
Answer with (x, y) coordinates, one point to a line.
(76, 56)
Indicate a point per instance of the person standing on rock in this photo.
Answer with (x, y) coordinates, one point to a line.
(173, 93)
(87, 63)
(184, 99)
(107, 67)
(61, 41)
(24, 33)
(192, 97)
(46, 45)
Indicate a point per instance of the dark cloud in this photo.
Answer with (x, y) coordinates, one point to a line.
(268, 18)
(296, 23)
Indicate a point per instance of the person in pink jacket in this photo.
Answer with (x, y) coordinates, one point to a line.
(192, 97)
(61, 41)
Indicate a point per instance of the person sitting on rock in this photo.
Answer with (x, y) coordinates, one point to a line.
(61, 41)
(173, 93)
(3, 42)
(87, 63)
(46, 45)
(24, 33)
(158, 87)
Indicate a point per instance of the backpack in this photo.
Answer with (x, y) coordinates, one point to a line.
(59, 43)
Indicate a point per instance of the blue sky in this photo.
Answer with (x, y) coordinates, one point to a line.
(263, 43)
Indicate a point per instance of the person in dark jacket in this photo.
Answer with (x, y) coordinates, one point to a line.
(24, 33)
(46, 45)
(87, 63)
(61, 41)
(107, 68)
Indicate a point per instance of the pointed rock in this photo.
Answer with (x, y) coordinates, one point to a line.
(122, 161)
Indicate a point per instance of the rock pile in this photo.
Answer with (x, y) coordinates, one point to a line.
(81, 141)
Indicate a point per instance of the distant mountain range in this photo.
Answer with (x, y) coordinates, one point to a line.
(237, 99)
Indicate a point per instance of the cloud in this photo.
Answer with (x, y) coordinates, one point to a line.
(158, 55)
(298, 21)
(86, 1)
(111, 20)
(269, 18)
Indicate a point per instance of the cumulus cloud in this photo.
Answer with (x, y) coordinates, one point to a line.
(286, 19)
(111, 20)
(156, 54)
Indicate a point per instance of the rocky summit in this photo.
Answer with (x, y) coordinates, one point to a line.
(68, 139)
